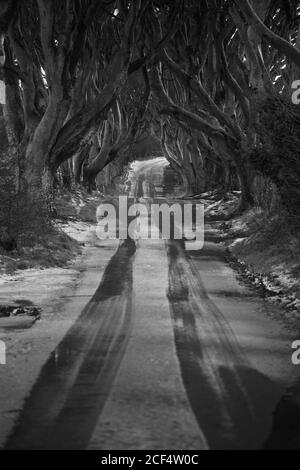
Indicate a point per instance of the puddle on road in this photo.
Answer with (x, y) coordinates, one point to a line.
(18, 314)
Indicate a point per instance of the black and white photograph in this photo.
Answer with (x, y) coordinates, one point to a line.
(149, 229)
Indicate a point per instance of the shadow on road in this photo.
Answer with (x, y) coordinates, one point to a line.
(64, 405)
(232, 402)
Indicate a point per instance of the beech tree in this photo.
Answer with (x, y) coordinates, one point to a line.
(86, 79)
(226, 56)
(66, 64)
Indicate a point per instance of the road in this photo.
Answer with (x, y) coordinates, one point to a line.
(171, 352)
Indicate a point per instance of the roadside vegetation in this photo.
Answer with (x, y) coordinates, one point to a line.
(93, 85)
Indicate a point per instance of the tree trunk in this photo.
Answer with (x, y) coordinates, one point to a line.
(40, 142)
(247, 198)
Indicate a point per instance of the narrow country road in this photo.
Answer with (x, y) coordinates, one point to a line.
(149, 228)
(172, 352)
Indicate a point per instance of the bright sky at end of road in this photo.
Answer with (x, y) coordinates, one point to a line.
(155, 164)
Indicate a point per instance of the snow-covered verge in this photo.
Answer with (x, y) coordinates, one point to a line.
(267, 251)
(50, 250)
(58, 242)
(47, 265)
(264, 248)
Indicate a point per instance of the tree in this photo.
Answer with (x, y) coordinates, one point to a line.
(222, 81)
(86, 79)
(69, 85)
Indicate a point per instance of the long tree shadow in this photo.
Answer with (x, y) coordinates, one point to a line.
(232, 402)
(64, 405)
(285, 433)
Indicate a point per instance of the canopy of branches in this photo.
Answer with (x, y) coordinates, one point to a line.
(87, 81)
